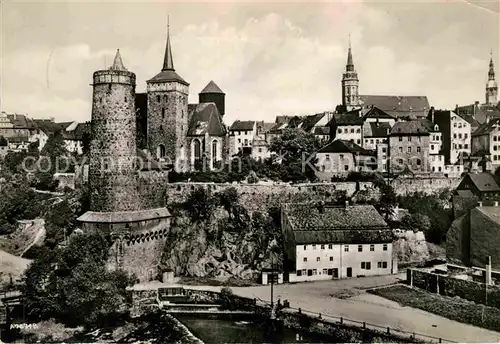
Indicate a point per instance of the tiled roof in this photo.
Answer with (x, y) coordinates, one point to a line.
(344, 146)
(375, 112)
(310, 121)
(316, 223)
(322, 131)
(168, 75)
(124, 216)
(242, 125)
(21, 121)
(211, 88)
(205, 118)
(77, 133)
(492, 212)
(376, 129)
(484, 181)
(428, 125)
(398, 106)
(264, 127)
(348, 118)
(409, 128)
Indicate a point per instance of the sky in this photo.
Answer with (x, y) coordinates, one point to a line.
(279, 58)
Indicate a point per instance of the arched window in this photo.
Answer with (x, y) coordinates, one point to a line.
(197, 149)
(165, 98)
(160, 151)
(163, 113)
(215, 150)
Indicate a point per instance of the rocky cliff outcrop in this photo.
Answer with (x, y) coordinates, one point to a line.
(410, 246)
(216, 249)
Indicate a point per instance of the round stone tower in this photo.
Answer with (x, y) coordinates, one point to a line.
(112, 175)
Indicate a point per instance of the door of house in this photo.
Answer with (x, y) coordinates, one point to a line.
(349, 272)
(335, 273)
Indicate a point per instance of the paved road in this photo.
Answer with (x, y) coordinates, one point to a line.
(317, 297)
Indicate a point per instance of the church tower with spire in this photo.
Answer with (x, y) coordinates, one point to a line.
(167, 118)
(491, 85)
(350, 83)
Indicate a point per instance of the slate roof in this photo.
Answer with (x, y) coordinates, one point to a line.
(212, 88)
(344, 146)
(492, 212)
(124, 216)
(168, 75)
(242, 125)
(409, 128)
(398, 106)
(375, 112)
(77, 133)
(348, 118)
(376, 129)
(428, 125)
(315, 224)
(205, 118)
(484, 181)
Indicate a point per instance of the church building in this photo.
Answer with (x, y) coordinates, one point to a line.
(176, 133)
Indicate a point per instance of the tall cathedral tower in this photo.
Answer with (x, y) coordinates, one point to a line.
(167, 119)
(350, 83)
(491, 85)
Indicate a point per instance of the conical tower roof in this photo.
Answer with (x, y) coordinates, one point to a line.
(117, 62)
(212, 88)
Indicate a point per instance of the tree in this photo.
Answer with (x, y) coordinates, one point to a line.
(200, 204)
(3, 142)
(53, 149)
(416, 222)
(295, 149)
(73, 286)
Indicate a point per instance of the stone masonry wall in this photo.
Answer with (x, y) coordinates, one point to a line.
(406, 185)
(449, 286)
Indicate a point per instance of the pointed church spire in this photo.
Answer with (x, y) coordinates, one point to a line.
(168, 62)
(491, 72)
(117, 62)
(350, 64)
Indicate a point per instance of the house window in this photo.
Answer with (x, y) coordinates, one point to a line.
(439, 168)
(331, 259)
(418, 149)
(165, 98)
(260, 150)
(315, 272)
(325, 271)
(495, 148)
(346, 167)
(339, 131)
(466, 135)
(305, 259)
(432, 148)
(409, 138)
(341, 156)
(322, 247)
(163, 113)
(459, 146)
(360, 248)
(455, 135)
(384, 265)
(327, 157)
(305, 247)
(384, 150)
(346, 248)
(368, 265)
(363, 265)
(466, 146)
(400, 149)
(400, 161)
(304, 272)
(419, 162)
(401, 138)
(314, 246)
(459, 135)
(385, 247)
(158, 99)
(299, 272)
(346, 130)
(409, 149)
(246, 142)
(330, 246)
(454, 125)
(372, 247)
(379, 265)
(358, 142)
(318, 259)
(352, 130)
(371, 141)
(358, 131)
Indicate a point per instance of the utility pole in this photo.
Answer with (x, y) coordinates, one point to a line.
(272, 279)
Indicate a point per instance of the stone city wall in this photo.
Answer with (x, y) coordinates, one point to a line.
(406, 185)
(450, 286)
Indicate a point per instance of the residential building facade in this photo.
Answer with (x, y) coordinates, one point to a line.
(409, 147)
(324, 241)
